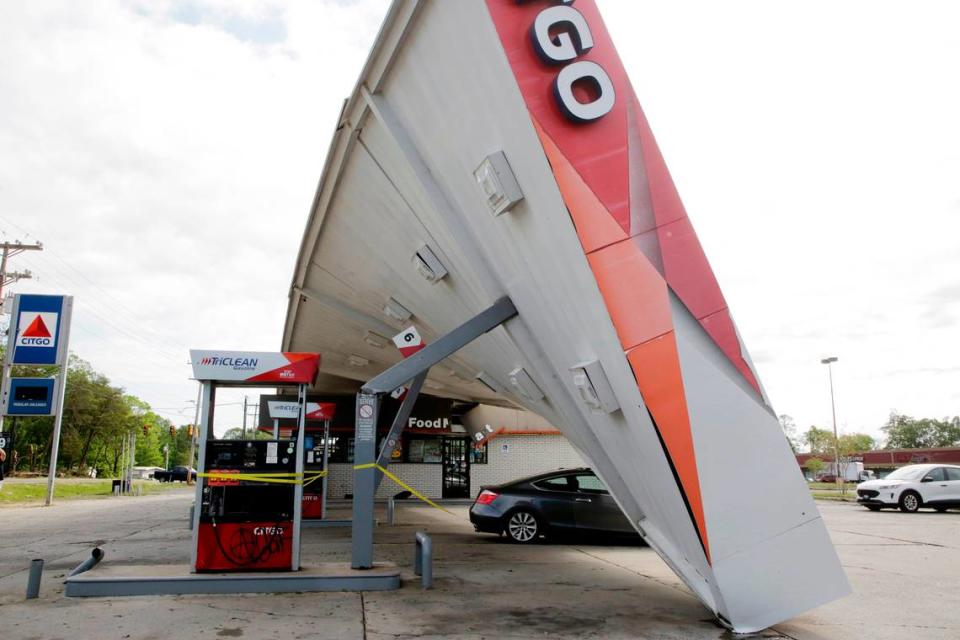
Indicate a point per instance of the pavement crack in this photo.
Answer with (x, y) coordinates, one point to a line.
(873, 535)
(635, 572)
(363, 615)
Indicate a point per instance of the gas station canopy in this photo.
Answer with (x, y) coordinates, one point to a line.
(496, 150)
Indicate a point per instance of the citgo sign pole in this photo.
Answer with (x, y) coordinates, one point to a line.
(39, 335)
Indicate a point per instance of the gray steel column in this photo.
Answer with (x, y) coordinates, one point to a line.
(208, 395)
(448, 344)
(399, 422)
(326, 473)
(364, 480)
(298, 488)
(66, 319)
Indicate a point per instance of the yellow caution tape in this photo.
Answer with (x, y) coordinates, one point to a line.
(276, 478)
(374, 465)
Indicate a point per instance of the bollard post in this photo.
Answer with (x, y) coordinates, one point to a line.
(391, 511)
(423, 559)
(33, 580)
(192, 507)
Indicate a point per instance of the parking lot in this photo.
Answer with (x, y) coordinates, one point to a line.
(905, 572)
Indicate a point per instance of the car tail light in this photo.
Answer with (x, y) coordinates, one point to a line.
(486, 496)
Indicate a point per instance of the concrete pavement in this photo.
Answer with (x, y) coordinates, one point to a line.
(905, 570)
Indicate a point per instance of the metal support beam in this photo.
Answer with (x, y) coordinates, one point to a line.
(366, 475)
(399, 422)
(208, 398)
(298, 488)
(364, 479)
(492, 317)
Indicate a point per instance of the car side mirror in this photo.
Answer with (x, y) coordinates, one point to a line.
(927, 479)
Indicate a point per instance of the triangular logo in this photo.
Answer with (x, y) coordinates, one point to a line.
(37, 329)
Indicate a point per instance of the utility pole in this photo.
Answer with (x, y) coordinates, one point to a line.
(11, 249)
(244, 418)
(840, 475)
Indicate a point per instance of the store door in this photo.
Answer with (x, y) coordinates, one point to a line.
(456, 467)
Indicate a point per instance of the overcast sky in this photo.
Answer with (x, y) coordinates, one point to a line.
(166, 154)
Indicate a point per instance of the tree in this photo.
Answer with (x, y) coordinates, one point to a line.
(815, 466)
(236, 433)
(789, 430)
(848, 445)
(97, 419)
(904, 432)
(819, 441)
(856, 442)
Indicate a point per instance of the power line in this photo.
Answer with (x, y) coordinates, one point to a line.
(91, 305)
(107, 299)
(11, 249)
(102, 310)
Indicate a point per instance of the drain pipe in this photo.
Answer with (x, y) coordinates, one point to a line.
(33, 580)
(95, 556)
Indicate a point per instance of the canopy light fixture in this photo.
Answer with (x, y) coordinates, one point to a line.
(594, 387)
(397, 311)
(499, 184)
(374, 339)
(429, 265)
(357, 361)
(486, 380)
(524, 384)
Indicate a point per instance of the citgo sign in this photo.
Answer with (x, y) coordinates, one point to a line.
(39, 323)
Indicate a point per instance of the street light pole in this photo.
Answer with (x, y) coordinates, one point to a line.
(833, 410)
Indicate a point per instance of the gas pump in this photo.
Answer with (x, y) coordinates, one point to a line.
(249, 492)
(316, 454)
(246, 521)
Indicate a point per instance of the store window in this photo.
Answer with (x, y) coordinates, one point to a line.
(341, 449)
(478, 455)
(424, 450)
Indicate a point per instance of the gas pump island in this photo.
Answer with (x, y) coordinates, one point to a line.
(246, 533)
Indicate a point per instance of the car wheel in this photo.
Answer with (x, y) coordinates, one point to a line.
(910, 502)
(873, 507)
(522, 527)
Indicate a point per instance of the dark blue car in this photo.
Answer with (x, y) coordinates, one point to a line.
(572, 501)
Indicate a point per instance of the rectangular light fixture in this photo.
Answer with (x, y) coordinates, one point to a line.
(374, 339)
(499, 184)
(357, 361)
(395, 310)
(487, 380)
(429, 265)
(523, 383)
(594, 387)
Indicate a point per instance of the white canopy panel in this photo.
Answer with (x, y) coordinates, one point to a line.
(497, 149)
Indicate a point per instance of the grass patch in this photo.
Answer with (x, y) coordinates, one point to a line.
(835, 496)
(826, 486)
(70, 489)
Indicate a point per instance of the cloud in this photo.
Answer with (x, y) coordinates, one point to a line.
(168, 152)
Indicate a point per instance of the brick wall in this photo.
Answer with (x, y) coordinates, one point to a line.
(509, 457)
(425, 478)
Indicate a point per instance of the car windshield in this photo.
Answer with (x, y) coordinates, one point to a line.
(907, 473)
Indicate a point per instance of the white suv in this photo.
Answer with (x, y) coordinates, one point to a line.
(917, 485)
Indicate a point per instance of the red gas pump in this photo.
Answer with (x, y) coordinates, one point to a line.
(316, 454)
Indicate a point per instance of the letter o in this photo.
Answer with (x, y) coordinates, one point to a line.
(573, 108)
